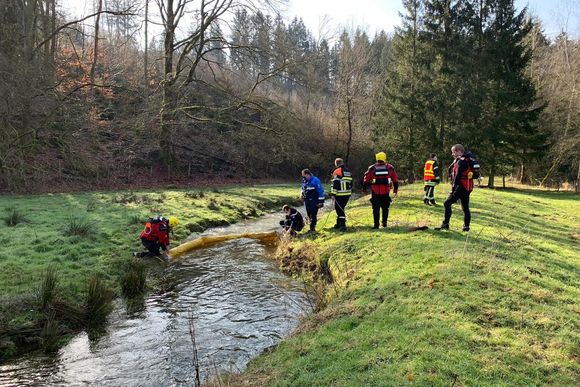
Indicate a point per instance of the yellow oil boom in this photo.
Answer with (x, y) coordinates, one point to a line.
(268, 238)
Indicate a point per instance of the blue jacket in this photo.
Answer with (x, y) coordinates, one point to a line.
(312, 191)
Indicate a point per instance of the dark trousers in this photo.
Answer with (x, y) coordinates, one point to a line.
(430, 192)
(340, 203)
(462, 195)
(312, 212)
(380, 202)
(153, 248)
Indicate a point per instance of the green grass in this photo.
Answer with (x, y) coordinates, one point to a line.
(83, 235)
(497, 307)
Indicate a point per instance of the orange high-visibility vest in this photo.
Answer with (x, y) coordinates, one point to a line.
(428, 172)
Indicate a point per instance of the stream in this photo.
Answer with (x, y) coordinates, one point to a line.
(239, 302)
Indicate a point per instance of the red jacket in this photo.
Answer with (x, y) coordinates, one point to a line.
(380, 176)
(158, 231)
(461, 173)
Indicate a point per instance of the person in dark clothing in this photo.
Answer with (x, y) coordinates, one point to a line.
(313, 196)
(293, 222)
(431, 178)
(381, 176)
(462, 173)
(341, 190)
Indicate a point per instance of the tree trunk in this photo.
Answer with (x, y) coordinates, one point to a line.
(491, 179)
(146, 50)
(169, 103)
(578, 179)
(96, 43)
(349, 119)
(523, 178)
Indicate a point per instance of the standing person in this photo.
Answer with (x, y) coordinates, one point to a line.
(155, 237)
(341, 190)
(380, 176)
(463, 170)
(293, 221)
(313, 196)
(431, 178)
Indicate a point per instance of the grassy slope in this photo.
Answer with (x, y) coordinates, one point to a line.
(116, 219)
(432, 308)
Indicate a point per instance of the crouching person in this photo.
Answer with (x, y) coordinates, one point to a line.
(293, 222)
(155, 237)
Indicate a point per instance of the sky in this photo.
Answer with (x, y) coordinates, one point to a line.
(384, 14)
(326, 17)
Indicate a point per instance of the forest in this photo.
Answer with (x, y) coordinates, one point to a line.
(139, 93)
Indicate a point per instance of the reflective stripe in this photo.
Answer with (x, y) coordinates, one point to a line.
(310, 188)
(381, 173)
(321, 198)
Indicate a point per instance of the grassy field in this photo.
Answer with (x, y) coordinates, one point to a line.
(84, 234)
(497, 306)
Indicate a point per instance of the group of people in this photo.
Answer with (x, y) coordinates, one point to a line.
(382, 178)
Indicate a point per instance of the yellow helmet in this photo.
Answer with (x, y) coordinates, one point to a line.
(381, 156)
(173, 221)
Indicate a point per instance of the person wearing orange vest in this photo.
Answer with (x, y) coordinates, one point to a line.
(381, 176)
(341, 190)
(155, 237)
(431, 179)
(463, 170)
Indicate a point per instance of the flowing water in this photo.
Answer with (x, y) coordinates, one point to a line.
(239, 302)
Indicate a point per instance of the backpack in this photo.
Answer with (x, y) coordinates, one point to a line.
(474, 168)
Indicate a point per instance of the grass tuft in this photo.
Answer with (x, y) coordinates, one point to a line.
(77, 226)
(134, 279)
(91, 205)
(47, 290)
(213, 205)
(51, 333)
(136, 219)
(14, 217)
(98, 303)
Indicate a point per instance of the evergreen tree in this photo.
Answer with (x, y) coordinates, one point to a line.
(400, 109)
(280, 49)
(240, 41)
(262, 25)
(509, 110)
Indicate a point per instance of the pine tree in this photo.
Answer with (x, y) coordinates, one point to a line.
(262, 25)
(240, 41)
(400, 114)
(510, 109)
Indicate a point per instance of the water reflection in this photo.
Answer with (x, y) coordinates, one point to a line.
(241, 305)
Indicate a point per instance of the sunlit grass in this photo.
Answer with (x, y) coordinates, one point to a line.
(497, 306)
